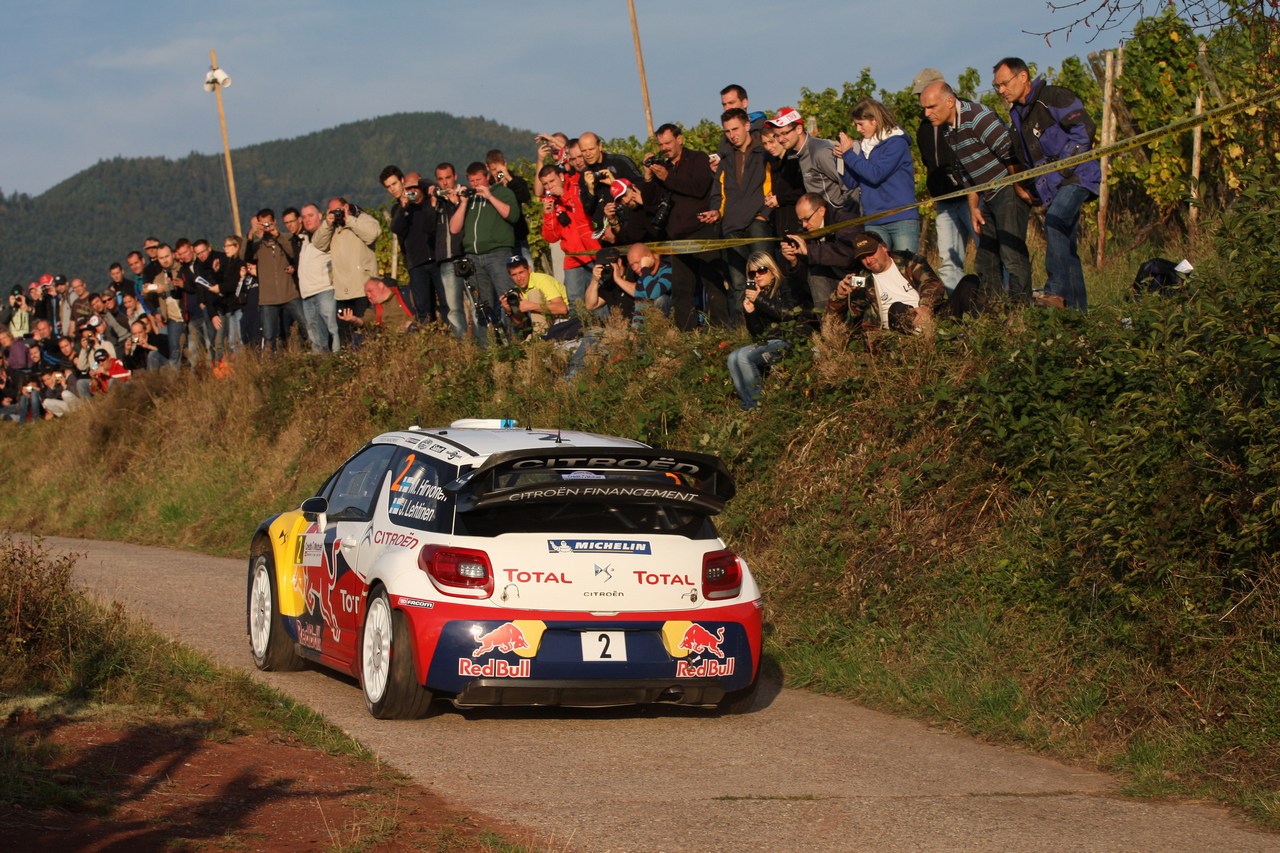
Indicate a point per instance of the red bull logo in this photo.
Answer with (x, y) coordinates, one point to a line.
(505, 638)
(705, 669)
(497, 668)
(700, 641)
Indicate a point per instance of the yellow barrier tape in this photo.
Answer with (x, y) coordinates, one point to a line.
(690, 247)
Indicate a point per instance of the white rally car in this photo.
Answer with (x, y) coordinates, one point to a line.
(495, 565)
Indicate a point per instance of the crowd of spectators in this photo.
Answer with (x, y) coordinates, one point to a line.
(773, 187)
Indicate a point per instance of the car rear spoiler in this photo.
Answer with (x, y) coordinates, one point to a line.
(693, 480)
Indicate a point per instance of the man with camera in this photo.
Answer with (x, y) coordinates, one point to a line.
(447, 248)
(315, 285)
(486, 222)
(819, 166)
(413, 223)
(823, 261)
(742, 183)
(565, 221)
(385, 309)
(682, 179)
(600, 170)
(536, 299)
(890, 290)
(142, 347)
(496, 162)
(348, 234)
(278, 295)
(17, 315)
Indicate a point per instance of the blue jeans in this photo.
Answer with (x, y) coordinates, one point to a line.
(576, 280)
(746, 366)
(955, 232)
(900, 236)
(450, 288)
(200, 336)
(1003, 240)
(231, 325)
(490, 280)
(174, 330)
(1062, 244)
(273, 320)
(321, 312)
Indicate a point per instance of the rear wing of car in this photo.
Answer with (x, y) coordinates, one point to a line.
(696, 481)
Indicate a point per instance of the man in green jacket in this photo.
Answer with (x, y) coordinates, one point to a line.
(486, 223)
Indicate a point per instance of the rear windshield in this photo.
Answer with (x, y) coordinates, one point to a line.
(586, 516)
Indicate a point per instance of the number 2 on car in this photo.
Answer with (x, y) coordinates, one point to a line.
(604, 645)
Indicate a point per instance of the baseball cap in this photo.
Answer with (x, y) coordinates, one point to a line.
(924, 79)
(619, 187)
(866, 244)
(94, 321)
(517, 261)
(59, 279)
(46, 279)
(100, 355)
(785, 116)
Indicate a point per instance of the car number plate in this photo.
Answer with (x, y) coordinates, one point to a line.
(604, 646)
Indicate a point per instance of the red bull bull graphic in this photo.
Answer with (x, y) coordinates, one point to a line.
(505, 638)
(699, 641)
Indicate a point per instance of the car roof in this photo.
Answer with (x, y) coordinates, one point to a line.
(478, 440)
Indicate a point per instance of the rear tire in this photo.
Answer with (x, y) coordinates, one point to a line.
(271, 647)
(388, 678)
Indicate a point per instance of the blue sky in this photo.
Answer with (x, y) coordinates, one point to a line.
(84, 81)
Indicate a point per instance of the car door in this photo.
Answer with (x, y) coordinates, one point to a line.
(336, 582)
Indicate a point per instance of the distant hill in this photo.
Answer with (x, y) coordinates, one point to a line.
(97, 216)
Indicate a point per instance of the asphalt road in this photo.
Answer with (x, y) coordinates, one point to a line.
(805, 772)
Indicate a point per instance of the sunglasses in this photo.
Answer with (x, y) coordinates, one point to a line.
(752, 273)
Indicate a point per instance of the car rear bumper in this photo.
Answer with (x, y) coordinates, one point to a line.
(497, 692)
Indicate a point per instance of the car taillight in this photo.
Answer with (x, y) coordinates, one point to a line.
(463, 572)
(721, 575)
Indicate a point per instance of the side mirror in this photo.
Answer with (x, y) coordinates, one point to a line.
(316, 509)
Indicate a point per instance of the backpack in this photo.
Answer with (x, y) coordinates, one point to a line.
(1158, 275)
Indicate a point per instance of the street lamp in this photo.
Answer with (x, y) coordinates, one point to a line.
(215, 81)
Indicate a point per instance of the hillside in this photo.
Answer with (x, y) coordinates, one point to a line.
(91, 219)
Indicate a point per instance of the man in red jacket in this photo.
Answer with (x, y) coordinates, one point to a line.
(565, 221)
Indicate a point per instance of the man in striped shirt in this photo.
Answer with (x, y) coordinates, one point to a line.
(984, 151)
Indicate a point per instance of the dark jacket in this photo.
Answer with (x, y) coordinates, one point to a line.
(414, 226)
(832, 255)
(688, 184)
(742, 180)
(1053, 125)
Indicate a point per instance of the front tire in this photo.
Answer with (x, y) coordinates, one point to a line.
(390, 683)
(271, 647)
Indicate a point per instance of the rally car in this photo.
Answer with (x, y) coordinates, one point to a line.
(493, 565)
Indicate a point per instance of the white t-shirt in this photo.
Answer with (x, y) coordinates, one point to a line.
(892, 286)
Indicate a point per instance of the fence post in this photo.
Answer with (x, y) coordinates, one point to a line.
(1108, 136)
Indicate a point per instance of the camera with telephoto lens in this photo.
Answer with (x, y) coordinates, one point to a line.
(339, 217)
(466, 192)
(661, 214)
(658, 160)
(464, 267)
(512, 298)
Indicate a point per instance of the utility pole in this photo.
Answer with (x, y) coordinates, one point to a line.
(644, 82)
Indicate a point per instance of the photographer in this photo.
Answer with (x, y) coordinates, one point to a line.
(19, 398)
(107, 371)
(500, 175)
(55, 397)
(348, 234)
(413, 223)
(822, 261)
(891, 290)
(17, 314)
(684, 177)
(447, 247)
(278, 297)
(604, 294)
(600, 170)
(142, 348)
(766, 305)
(536, 298)
(386, 309)
(565, 221)
(627, 217)
(487, 225)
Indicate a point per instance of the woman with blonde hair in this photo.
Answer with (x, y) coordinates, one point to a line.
(766, 304)
(880, 164)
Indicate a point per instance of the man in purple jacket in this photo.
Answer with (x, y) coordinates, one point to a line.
(1051, 124)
